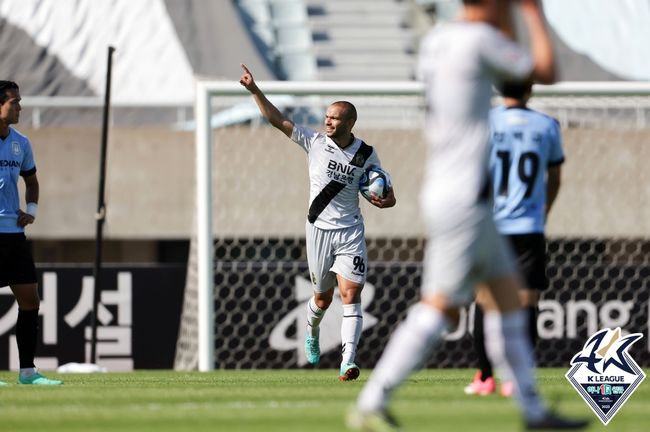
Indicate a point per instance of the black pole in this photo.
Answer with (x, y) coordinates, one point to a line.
(100, 216)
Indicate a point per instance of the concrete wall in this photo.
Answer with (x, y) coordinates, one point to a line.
(149, 188)
(605, 185)
(260, 184)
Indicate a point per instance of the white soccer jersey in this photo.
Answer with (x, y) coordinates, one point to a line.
(458, 63)
(334, 175)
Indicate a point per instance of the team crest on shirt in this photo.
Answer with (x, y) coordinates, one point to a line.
(15, 148)
(358, 159)
(604, 374)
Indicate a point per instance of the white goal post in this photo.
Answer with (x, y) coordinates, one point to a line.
(207, 89)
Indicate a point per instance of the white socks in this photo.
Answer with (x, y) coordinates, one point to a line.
(408, 347)
(351, 328)
(314, 317)
(414, 338)
(514, 360)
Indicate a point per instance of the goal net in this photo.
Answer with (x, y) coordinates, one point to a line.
(247, 282)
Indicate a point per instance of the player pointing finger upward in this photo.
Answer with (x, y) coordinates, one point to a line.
(335, 235)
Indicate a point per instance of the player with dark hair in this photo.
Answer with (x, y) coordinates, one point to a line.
(16, 263)
(336, 246)
(525, 158)
(459, 63)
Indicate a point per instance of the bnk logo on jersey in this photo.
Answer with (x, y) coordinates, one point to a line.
(604, 373)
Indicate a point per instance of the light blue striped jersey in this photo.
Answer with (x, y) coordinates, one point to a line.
(16, 158)
(523, 144)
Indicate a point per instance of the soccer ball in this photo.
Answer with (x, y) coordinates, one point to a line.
(375, 181)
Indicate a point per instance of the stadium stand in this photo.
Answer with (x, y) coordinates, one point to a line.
(362, 39)
(293, 47)
(327, 40)
(218, 35)
(282, 27)
(292, 39)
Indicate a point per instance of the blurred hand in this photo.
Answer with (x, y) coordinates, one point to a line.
(24, 219)
(247, 79)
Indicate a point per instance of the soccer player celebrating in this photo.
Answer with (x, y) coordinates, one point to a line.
(459, 62)
(336, 246)
(525, 158)
(16, 263)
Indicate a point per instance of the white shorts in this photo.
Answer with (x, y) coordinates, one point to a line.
(339, 251)
(461, 253)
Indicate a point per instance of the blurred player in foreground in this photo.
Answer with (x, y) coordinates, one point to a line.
(16, 263)
(336, 245)
(525, 158)
(459, 62)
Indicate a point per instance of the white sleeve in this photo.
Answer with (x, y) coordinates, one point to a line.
(504, 57)
(428, 56)
(303, 136)
(423, 67)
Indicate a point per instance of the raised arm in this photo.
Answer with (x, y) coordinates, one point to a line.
(268, 110)
(540, 42)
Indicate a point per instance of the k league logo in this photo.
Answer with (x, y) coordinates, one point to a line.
(604, 374)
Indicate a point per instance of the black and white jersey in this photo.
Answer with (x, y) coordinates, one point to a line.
(334, 175)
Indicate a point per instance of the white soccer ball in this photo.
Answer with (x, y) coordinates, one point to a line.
(374, 181)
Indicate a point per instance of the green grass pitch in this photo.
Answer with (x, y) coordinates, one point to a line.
(278, 400)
